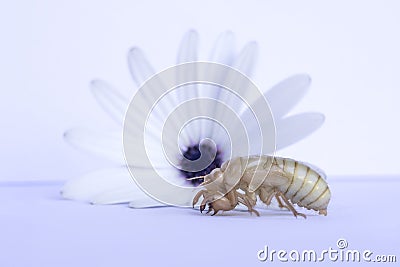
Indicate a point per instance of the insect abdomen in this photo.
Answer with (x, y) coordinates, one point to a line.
(306, 188)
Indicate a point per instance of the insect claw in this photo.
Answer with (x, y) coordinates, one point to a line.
(301, 214)
(256, 212)
(202, 207)
(210, 208)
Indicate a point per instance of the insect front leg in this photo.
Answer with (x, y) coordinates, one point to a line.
(216, 203)
(197, 197)
(207, 199)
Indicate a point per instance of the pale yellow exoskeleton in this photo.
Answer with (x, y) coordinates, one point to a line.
(243, 179)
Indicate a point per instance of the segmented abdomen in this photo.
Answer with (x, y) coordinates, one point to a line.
(306, 187)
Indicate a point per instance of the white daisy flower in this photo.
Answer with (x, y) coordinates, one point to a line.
(115, 185)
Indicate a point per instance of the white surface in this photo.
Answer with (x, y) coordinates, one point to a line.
(37, 228)
(51, 50)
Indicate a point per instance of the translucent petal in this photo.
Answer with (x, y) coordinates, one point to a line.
(188, 49)
(140, 68)
(112, 186)
(92, 185)
(154, 131)
(188, 53)
(223, 50)
(119, 195)
(162, 191)
(108, 145)
(223, 53)
(285, 95)
(110, 100)
(245, 62)
(292, 129)
(145, 202)
(154, 98)
(260, 132)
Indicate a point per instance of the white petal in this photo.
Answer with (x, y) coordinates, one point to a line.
(119, 195)
(292, 129)
(223, 51)
(145, 202)
(260, 133)
(245, 62)
(110, 100)
(108, 145)
(162, 189)
(140, 68)
(155, 103)
(285, 95)
(188, 49)
(91, 185)
(188, 53)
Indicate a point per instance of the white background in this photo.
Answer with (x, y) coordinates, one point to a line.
(50, 50)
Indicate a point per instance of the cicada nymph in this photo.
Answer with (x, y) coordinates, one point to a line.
(244, 179)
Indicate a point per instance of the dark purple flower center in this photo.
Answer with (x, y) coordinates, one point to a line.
(192, 155)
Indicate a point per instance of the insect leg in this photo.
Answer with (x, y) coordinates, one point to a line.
(232, 196)
(281, 205)
(290, 206)
(215, 212)
(204, 202)
(266, 194)
(269, 199)
(247, 204)
(209, 209)
(197, 197)
(243, 199)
